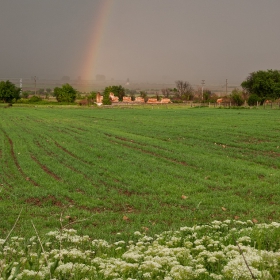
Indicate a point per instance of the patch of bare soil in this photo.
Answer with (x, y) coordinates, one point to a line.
(40, 201)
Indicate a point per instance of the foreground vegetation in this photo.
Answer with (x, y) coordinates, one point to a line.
(111, 172)
(219, 250)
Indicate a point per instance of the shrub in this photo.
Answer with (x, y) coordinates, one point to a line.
(106, 99)
(236, 97)
(9, 92)
(35, 98)
(253, 100)
(65, 94)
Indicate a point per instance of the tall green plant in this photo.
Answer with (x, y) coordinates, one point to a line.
(237, 98)
(264, 84)
(106, 97)
(65, 94)
(9, 92)
(117, 90)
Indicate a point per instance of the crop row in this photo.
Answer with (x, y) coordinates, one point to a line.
(125, 169)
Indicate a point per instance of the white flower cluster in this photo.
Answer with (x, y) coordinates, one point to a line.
(219, 250)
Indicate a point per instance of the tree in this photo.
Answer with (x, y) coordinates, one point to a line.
(237, 97)
(144, 95)
(91, 97)
(166, 92)
(106, 97)
(184, 90)
(65, 94)
(117, 90)
(253, 100)
(131, 93)
(9, 92)
(207, 95)
(264, 84)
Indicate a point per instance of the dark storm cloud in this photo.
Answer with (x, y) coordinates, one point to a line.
(147, 40)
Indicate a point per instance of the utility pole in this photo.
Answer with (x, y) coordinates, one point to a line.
(20, 86)
(35, 84)
(226, 86)
(202, 83)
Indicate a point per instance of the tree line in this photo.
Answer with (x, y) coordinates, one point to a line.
(258, 87)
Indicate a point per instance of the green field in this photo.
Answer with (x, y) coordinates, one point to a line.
(151, 169)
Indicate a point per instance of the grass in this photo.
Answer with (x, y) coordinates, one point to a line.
(148, 169)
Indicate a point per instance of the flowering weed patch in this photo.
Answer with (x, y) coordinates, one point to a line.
(218, 250)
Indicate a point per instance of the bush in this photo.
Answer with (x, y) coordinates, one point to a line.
(35, 98)
(253, 100)
(106, 99)
(65, 94)
(236, 97)
(9, 92)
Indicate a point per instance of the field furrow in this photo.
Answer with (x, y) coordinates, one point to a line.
(124, 170)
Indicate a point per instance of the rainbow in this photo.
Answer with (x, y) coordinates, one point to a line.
(99, 25)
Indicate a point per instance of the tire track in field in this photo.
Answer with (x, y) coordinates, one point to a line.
(79, 128)
(94, 184)
(138, 143)
(15, 160)
(46, 169)
(145, 151)
(52, 154)
(71, 154)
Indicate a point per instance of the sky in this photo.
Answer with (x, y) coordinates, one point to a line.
(140, 40)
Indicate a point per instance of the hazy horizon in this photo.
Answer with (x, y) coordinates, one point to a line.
(145, 41)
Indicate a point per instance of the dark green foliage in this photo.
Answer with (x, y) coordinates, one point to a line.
(117, 90)
(207, 95)
(106, 98)
(237, 98)
(144, 95)
(9, 92)
(35, 98)
(91, 97)
(265, 84)
(65, 94)
(253, 100)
